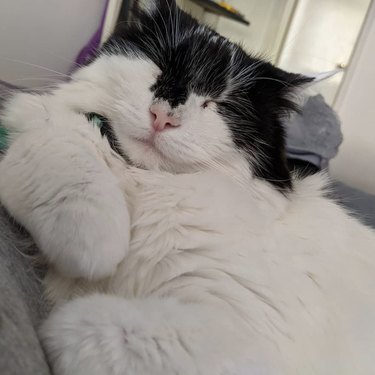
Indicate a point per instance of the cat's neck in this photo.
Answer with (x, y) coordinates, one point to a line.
(234, 166)
(264, 194)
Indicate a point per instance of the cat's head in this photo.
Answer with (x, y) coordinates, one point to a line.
(180, 97)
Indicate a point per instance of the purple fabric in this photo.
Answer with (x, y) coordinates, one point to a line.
(93, 44)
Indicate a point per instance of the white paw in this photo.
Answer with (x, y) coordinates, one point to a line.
(85, 239)
(108, 335)
(103, 334)
(24, 111)
(57, 186)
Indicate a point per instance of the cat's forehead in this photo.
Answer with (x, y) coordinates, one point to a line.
(200, 63)
(192, 58)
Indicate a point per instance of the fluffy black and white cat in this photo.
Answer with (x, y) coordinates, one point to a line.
(179, 243)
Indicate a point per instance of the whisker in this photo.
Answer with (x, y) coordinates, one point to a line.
(35, 66)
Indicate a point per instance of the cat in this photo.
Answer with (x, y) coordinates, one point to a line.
(177, 240)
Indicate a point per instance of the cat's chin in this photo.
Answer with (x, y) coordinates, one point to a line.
(151, 155)
(145, 153)
(149, 147)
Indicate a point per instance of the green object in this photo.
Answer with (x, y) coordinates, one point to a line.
(96, 119)
(105, 129)
(3, 138)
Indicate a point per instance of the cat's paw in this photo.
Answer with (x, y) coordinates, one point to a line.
(24, 111)
(104, 334)
(86, 239)
(55, 183)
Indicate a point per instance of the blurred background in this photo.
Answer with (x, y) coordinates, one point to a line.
(43, 40)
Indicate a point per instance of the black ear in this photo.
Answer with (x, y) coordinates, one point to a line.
(292, 80)
(286, 87)
(273, 94)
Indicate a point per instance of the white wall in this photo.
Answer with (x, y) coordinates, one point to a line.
(268, 22)
(355, 163)
(49, 33)
(268, 18)
(321, 36)
(191, 8)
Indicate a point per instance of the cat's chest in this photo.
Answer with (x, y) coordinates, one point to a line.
(195, 243)
(202, 234)
(183, 230)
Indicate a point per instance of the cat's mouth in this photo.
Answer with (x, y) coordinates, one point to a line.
(150, 144)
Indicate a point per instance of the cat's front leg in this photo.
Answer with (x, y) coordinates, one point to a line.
(56, 183)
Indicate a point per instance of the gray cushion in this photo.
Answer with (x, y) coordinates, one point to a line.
(21, 304)
(314, 134)
(359, 203)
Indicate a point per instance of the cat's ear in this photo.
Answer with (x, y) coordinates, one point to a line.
(283, 88)
(319, 77)
(286, 81)
(289, 87)
(295, 81)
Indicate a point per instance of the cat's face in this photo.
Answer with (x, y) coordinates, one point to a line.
(179, 97)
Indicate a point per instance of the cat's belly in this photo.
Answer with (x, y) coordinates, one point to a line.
(296, 282)
(292, 283)
(299, 303)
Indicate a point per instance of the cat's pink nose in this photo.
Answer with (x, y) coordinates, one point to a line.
(162, 119)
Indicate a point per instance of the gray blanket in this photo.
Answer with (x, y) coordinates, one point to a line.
(314, 134)
(21, 303)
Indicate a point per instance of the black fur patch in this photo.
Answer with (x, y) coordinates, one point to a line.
(251, 95)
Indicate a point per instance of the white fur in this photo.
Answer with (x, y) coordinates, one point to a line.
(223, 274)
(62, 212)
